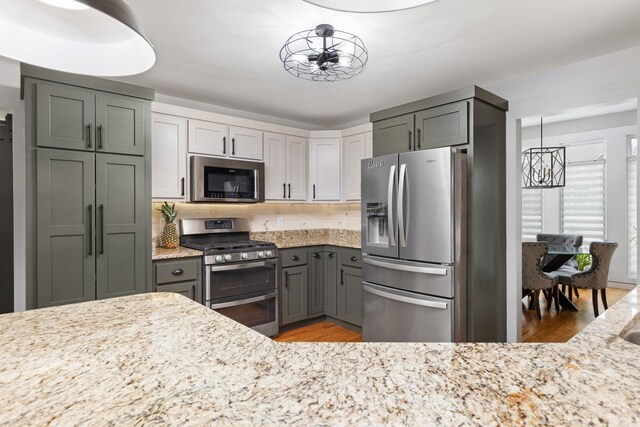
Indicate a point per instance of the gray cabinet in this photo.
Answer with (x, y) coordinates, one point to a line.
(331, 284)
(65, 117)
(293, 294)
(121, 225)
(82, 119)
(183, 276)
(316, 282)
(394, 135)
(65, 227)
(119, 124)
(350, 295)
(442, 126)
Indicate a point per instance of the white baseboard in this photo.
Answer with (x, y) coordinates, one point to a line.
(620, 285)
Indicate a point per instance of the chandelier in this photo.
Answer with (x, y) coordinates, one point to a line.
(324, 54)
(543, 167)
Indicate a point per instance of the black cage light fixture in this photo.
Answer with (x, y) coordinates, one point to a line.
(543, 167)
(324, 54)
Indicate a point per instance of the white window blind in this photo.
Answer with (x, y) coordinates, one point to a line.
(531, 213)
(632, 174)
(583, 197)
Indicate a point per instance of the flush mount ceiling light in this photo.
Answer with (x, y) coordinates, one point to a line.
(324, 54)
(92, 37)
(543, 167)
(368, 6)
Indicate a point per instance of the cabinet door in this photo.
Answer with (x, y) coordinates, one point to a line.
(442, 126)
(120, 124)
(207, 138)
(353, 151)
(325, 169)
(294, 294)
(245, 143)
(394, 135)
(350, 295)
(331, 284)
(316, 282)
(168, 157)
(296, 168)
(188, 289)
(121, 222)
(65, 227)
(275, 187)
(368, 145)
(65, 117)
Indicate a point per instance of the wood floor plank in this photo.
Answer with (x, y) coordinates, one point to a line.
(323, 331)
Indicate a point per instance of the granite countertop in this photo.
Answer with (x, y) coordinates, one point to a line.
(159, 253)
(162, 359)
(314, 237)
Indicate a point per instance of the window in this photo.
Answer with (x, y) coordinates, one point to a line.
(632, 173)
(531, 213)
(583, 197)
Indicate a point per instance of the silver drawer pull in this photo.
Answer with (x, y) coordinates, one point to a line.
(408, 300)
(407, 268)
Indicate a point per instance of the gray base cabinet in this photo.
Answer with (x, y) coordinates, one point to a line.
(182, 276)
(323, 281)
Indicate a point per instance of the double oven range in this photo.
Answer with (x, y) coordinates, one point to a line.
(239, 273)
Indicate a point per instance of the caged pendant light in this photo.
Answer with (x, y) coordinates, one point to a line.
(543, 167)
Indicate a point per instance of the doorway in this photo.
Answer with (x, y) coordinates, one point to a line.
(6, 213)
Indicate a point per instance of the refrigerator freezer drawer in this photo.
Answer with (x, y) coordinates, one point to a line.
(420, 277)
(391, 315)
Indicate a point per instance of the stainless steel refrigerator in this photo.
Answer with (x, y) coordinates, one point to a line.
(414, 246)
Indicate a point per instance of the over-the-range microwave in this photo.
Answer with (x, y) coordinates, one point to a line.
(225, 180)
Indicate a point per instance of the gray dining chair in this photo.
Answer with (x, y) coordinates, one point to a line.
(596, 277)
(533, 278)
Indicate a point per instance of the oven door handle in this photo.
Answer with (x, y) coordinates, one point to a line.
(244, 301)
(243, 266)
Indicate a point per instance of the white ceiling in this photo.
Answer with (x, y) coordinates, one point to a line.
(582, 113)
(225, 52)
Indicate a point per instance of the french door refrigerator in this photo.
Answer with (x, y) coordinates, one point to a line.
(413, 244)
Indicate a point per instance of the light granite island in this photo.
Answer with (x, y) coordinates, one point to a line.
(163, 359)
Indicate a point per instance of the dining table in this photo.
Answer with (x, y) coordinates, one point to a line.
(558, 255)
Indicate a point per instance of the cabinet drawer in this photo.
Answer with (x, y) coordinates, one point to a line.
(351, 257)
(188, 289)
(176, 271)
(291, 257)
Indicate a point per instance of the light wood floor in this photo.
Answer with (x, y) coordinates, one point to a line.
(320, 332)
(562, 326)
(554, 327)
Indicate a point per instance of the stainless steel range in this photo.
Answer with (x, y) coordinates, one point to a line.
(239, 273)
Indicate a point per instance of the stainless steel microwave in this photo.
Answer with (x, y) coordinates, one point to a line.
(225, 180)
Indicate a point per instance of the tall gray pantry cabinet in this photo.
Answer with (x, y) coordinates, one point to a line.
(88, 188)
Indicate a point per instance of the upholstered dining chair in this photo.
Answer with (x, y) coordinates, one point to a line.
(533, 278)
(597, 275)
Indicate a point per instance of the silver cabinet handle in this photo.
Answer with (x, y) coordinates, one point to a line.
(407, 268)
(415, 301)
(89, 135)
(391, 222)
(403, 177)
(243, 266)
(244, 301)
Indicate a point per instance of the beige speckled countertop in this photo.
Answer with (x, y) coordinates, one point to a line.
(159, 253)
(315, 237)
(159, 358)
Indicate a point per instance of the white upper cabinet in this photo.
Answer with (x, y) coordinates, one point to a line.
(168, 156)
(208, 138)
(296, 168)
(285, 164)
(275, 187)
(353, 151)
(324, 168)
(245, 143)
(368, 145)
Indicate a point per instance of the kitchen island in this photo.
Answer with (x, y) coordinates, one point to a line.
(163, 359)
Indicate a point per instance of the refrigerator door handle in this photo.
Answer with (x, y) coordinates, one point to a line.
(415, 301)
(391, 222)
(407, 268)
(402, 231)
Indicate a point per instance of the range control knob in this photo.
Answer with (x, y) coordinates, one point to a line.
(261, 254)
(219, 258)
(244, 255)
(227, 257)
(269, 253)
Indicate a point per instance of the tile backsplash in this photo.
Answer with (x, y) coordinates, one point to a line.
(264, 216)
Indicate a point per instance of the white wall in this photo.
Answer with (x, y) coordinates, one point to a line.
(606, 79)
(616, 191)
(10, 100)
